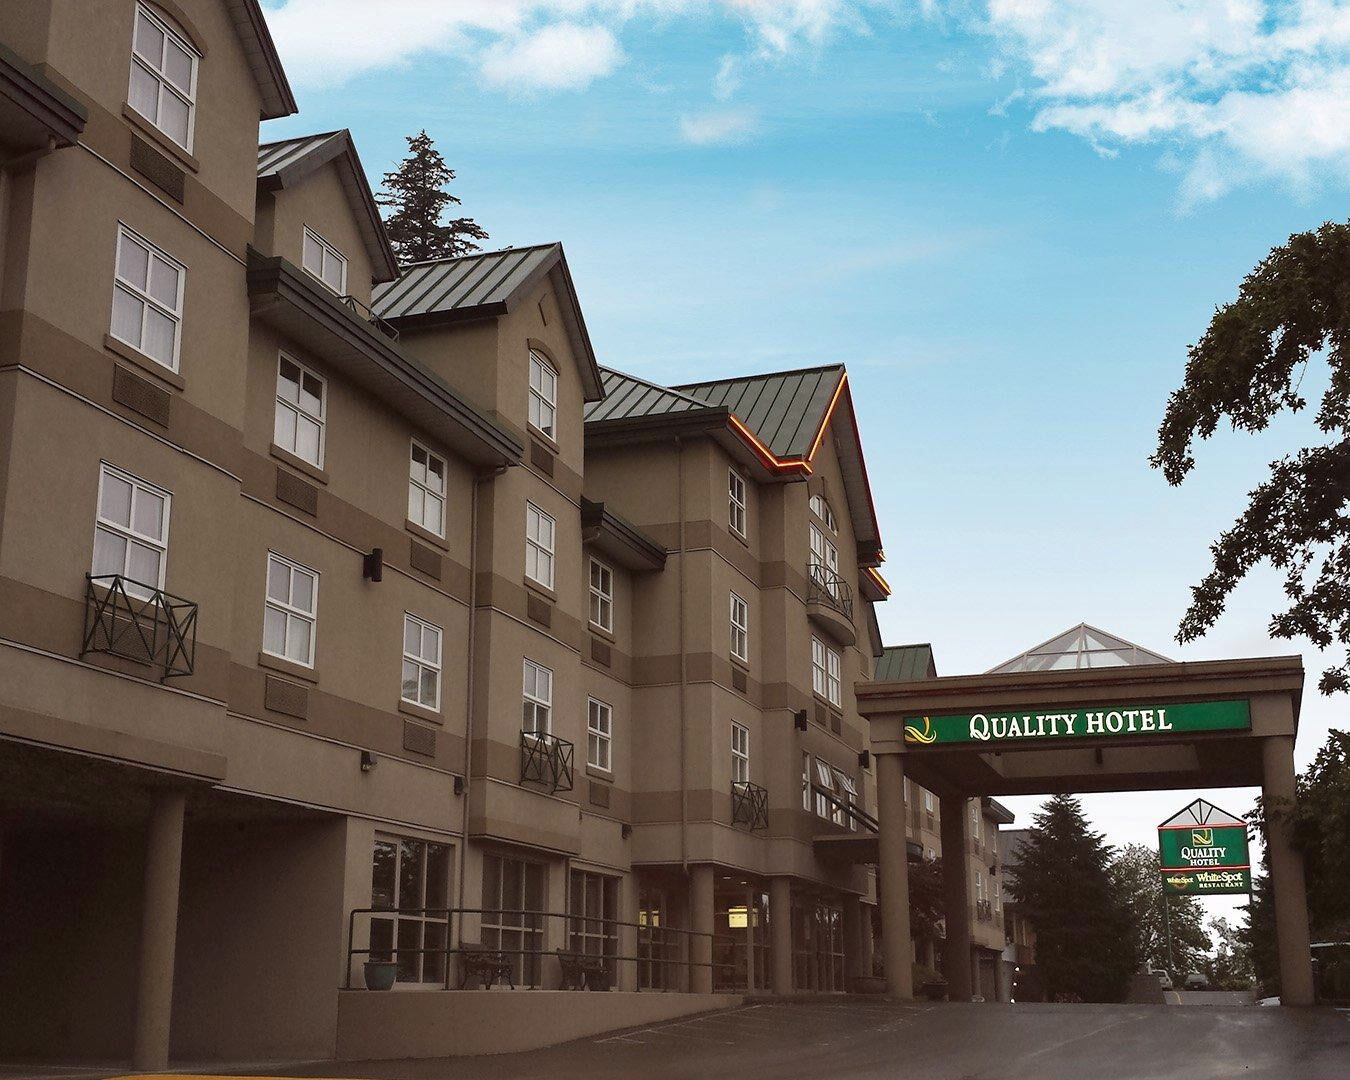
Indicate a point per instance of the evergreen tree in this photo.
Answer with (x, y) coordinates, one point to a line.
(416, 191)
(1137, 873)
(1084, 940)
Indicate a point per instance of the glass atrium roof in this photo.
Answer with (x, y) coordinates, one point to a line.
(1082, 647)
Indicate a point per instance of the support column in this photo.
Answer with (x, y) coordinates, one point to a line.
(751, 985)
(701, 921)
(956, 955)
(894, 876)
(780, 934)
(159, 930)
(852, 939)
(865, 942)
(628, 935)
(1286, 873)
(1004, 973)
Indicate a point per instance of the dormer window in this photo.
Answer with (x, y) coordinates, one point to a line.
(325, 262)
(163, 77)
(822, 510)
(543, 396)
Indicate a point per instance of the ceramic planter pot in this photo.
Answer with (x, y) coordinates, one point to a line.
(380, 974)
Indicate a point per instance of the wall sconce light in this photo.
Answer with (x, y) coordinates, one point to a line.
(626, 830)
(799, 719)
(865, 758)
(372, 565)
(459, 785)
(368, 761)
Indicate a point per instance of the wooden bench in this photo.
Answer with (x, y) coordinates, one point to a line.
(582, 972)
(478, 962)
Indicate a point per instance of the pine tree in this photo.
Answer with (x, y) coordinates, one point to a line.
(416, 191)
(1084, 941)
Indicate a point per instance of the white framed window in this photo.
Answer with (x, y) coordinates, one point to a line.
(410, 877)
(426, 490)
(824, 782)
(302, 403)
(163, 85)
(421, 662)
(979, 886)
(599, 733)
(538, 712)
(539, 535)
(736, 512)
(822, 510)
(323, 261)
(806, 781)
(740, 753)
(824, 568)
(602, 595)
(825, 667)
(847, 791)
(131, 531)
(543, 396)
(929, 803)
(147, 307)
(291, 610)
(740, 628)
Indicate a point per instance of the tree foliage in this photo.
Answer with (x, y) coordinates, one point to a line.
(1137, 874)
(416, 190)
(1248, 367)
(1063, 880)
(1231, 966)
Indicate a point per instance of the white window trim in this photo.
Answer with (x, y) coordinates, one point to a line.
(820, 506)
(175, 315)
(421, 663)
(605, 596)
(544, 703)
(737, 504)
(321, 420)
(740, 630)
(190, 98)
(427, 491)
(807, 800)
(740, 751)
(545, 401)
(128, 532)
(604, 736)
(826, 672)
(539, 546)
(312, 616)
(326, 250)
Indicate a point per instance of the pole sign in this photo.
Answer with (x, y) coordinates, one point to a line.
(1203, 852)
(1056, 722)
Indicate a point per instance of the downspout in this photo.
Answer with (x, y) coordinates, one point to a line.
(684, 670)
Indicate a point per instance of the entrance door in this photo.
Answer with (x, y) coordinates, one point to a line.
(513, 921)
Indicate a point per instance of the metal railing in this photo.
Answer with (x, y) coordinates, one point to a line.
(846, 808)
(139, 622)
(546, 759)
(825, 586)
(984, 911)
(363, 311)
(749, 805)
(558, 944)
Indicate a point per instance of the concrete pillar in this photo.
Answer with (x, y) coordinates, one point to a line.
(894, 875)
(865, 943)
(750, 918)
(976, 982)
(628, 935)
(1286, 873)
(956, 954)
(1005, 979)
(852, 939)
(780, 935)
(159, 930)
(701, 922)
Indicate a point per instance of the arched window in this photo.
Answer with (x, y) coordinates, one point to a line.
(822, 510)
(163, 76)
(543, 395)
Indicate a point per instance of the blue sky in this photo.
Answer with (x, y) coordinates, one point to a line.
(1008, 218)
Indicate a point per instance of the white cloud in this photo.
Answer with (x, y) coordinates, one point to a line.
(560, 56)
(717, 126)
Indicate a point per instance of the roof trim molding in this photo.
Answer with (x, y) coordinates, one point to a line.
(50, 107)
(618, 538)
(261, 51)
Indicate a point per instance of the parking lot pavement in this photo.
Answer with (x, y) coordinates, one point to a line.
(873, 1040)
(1226, 998)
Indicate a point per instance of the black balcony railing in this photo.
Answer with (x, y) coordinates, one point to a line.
(547, 760)
(363, 311)
(824, 586)
(749, 805)
(846, 812)
(139, 622)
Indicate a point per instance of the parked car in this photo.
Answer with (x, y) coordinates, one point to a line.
(1164, 979)
(1196, 981)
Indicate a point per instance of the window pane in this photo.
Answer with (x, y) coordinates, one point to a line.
(409, 942)
(110, 553)
(313, 255)
(429, 688)
(148, 39)
(285, 427)
(178, 66)
(436, 474)
(382, 875)
(410, 875)
(133, 262)
(297, 643)
(274, 631)
(173, 118)
(143, 94)
(412, 636)
(431, 645)
(332, 273)
(302, 590)
(311, 395)
(288, 381)
(115, 504)
(410, 679)
(416, 505)
(126, 317)
(160, 331)
(278, 581)
(438, 875)
(143, 564)
(433, 512)
(307, 439)
(164, 283)
(149, 516)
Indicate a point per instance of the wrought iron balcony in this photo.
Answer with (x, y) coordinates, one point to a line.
(139, 622)
(546, 760)
(749, 805)
(824, 586)
(363, 311)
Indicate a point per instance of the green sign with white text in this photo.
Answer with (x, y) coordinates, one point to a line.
(1202, 851)
(1051, 722)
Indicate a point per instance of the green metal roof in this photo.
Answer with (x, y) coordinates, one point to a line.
(785, 409)
(905, 663)
(482, 283)
(628, 396)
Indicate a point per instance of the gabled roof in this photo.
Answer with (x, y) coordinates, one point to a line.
(628, 396)
(786, 410)
(1081, 646)
(261, 51)
(1200, 812)
(287, 162)
(485, 285)
(905, 663)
